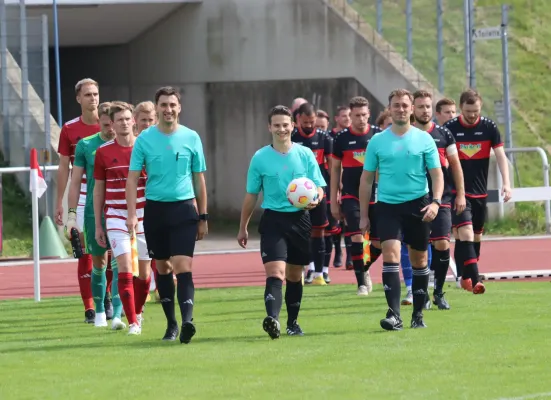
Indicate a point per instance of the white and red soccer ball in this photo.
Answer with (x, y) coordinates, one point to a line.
(301, 192)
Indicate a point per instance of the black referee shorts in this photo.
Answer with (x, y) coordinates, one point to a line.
(393, 220)
(285, 236)
(170, 228)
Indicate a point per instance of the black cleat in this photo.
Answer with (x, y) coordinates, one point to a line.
(108, 308)
(440, 301)
(187, 332)
(326, 278)
(271, 327)
(294, 329)
(337, 261)
(171, 333)
(417, 321)
(89, 316)
(392, 322)
(309, 277)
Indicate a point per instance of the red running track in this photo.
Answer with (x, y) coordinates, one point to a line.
(245, 269)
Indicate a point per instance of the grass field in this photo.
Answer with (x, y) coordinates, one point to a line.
(492, 346)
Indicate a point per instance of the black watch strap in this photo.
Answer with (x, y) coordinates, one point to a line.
(203, 217)
(437, 201)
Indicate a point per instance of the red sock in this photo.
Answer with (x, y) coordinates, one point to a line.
(155, 272)
(84, 274)
(109, 275)
(141, 290)
(126, 292)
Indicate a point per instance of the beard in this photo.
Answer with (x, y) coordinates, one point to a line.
(422, 121)
(307, 130)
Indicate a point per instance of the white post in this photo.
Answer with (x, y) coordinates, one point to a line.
(36, 244)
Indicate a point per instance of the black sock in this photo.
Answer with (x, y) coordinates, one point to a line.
(374, 253)
(273, 297)
(392, 286)
(293, 297)
(419, 287)
(348, 246)
(477, 250)
(457, 258)
(470, 264)
(318, 252)
(440, 264)
(337, 243)
(165, 287)
(328, 250)
(186, 295)
(358, 261)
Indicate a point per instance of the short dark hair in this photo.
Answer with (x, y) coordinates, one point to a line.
(119, 106)
(167, 91)
(400, 93)
(444, 102)
(422, 94)
(306, 109)
(342, 108)
(358, 102)
(469, 96)
(322, 114)
(279, 110)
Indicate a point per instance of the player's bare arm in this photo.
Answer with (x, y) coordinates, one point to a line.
(437, 178)
(201, 196)
(99, 202)
(335, 181)
(246, 212)
(366, 187)
(459, 182)
(131, 198)
(62, 178)
(503, 165)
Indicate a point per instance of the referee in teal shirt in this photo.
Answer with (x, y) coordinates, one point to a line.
(401, 155)
(175, 213)
(284, 230)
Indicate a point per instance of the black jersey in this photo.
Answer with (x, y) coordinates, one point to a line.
(349, 148)
(319, 142)
(445, 143)
(474, 143)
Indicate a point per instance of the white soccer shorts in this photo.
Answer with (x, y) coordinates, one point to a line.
(120, 244)
(80, 218)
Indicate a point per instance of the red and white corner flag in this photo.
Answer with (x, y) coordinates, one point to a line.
(37, 182)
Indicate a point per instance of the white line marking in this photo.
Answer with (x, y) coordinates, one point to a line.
(527, 397)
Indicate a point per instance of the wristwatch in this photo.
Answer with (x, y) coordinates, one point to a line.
(203, 217)
(437, 201)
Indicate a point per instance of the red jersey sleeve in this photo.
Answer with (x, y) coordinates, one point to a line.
(99, 166)
(64, 145)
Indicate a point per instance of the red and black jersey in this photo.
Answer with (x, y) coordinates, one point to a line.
(349, 148)
(473, 146)
(445, 143)
(319, 142)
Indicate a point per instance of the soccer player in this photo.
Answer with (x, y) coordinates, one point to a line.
(85, 154)
(87, 95)
(402, 154)
(348, 158)
(442, 223)
(475, 136)
(284, 230)
(384, 119)
(111, 172)
(172, 220)
(445, 110)
(295, 105)
(320, 143)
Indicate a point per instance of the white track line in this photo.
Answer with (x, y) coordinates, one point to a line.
(528, 396)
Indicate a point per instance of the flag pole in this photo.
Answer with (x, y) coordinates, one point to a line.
(35, 224)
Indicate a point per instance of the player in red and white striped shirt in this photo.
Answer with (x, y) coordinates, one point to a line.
(87, 95)
(110, 172)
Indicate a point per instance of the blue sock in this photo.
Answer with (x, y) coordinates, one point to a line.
(115, 297)
(430, 255)
(407, 272)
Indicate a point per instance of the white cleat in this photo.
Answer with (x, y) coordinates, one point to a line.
(134, 329)
(431, 280)
(117, 324)
(101, 320)
(362, 291)
(458, 283)
(139, 317)
(368, 283)
(408, 300)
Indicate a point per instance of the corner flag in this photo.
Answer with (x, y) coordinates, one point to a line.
(37, 183)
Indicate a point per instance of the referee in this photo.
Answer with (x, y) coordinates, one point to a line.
(172, 155)
(284, 230)
(402, 154)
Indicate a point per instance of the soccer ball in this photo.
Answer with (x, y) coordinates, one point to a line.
(301, 192)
